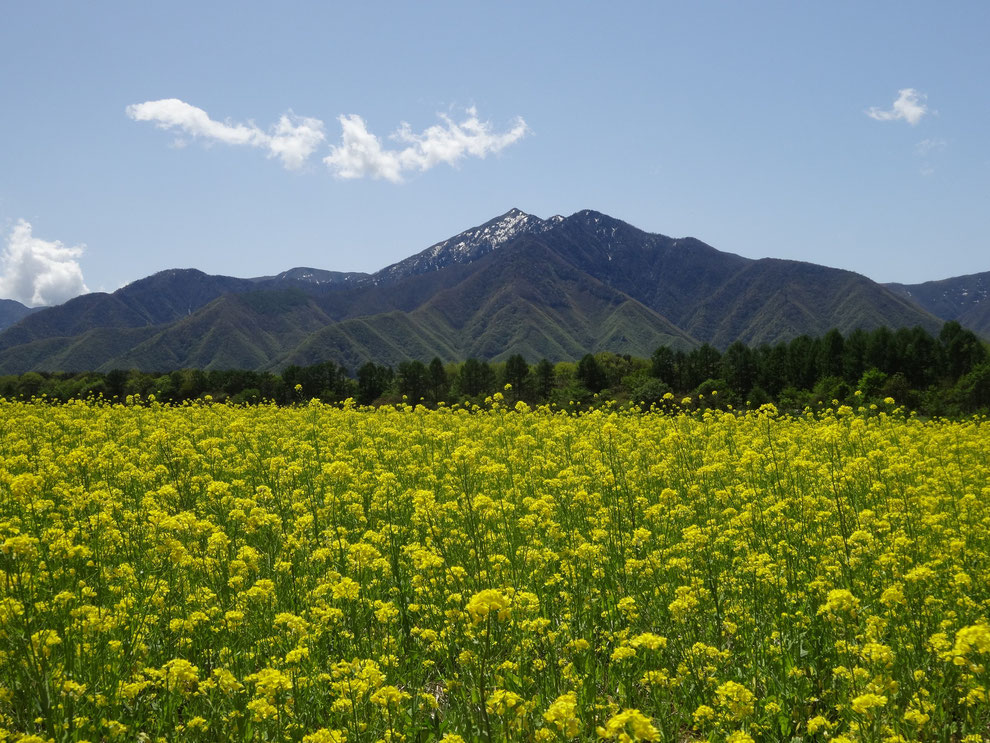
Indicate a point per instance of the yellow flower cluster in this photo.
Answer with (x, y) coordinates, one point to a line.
(332, 574)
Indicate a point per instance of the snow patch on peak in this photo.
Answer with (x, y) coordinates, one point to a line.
(497, 233)
(470, 245)
(490, 235)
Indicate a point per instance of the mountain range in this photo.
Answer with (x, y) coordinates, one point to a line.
(552, 288)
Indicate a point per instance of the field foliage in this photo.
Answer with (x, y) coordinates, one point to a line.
(317, 573)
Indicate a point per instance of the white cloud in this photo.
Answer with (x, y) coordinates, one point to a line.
(293, 139)
(360, 153)
(36, 272)
(909, 106)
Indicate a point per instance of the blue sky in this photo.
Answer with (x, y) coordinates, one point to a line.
(746, 125)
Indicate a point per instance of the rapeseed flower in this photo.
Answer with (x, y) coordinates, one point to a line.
(323, 573)
(629, 725)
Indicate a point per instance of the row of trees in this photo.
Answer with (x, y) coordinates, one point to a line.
(948, 374)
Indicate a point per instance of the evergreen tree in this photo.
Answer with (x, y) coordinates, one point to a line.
(854, 355)
(545, 380)
(115, 382)
(802, 362)
(517, 374)
(830, 358)
(663, 365)
(919, 355)
(590, 374)
(772, 363)
(373, 380)
(414, 380)
(739, 368)
(475, 378)
(880, 352)
(438, 382)
(702, 363)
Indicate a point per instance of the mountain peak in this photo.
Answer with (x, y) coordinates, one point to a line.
(499, 230)
(591, 217)
(469, 245)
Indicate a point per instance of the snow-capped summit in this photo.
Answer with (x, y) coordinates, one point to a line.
(469, 245)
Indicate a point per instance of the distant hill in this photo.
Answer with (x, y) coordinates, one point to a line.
(965, 299)
(555, 288)
(12, 311)
(161, 298)
(315, 276)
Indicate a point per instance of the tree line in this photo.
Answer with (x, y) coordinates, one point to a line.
(947, 374)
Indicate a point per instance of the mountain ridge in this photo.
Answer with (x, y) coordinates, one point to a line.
(965, 299)
(557, 287)
(12, 311)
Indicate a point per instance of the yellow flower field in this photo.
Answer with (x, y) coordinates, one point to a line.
(319, 574)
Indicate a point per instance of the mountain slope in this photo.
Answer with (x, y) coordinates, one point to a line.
(965, 299)
(525, 299)
(720, 297)
(669, 276)
(240, 331)
(774, 299)
(88, 351)
(530, 286)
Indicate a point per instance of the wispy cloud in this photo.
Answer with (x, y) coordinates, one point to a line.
(359, 154)
(928, 146)
(37, 272)
(928, 150)
(909, 106)
(293, 139)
